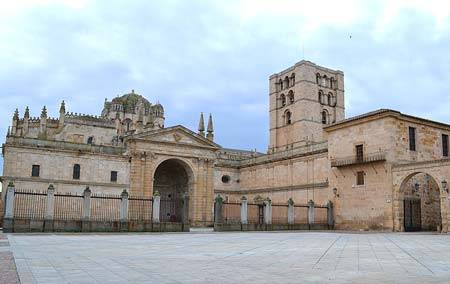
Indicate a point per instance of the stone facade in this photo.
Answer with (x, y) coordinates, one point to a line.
(365, 165)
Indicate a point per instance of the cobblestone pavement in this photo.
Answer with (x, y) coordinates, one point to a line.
(8, 272)
(294, 257)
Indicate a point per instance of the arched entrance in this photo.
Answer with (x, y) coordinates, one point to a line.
(420, 203)
(173, 180)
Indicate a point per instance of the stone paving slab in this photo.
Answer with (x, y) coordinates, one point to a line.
(8, 272)
(255, 257)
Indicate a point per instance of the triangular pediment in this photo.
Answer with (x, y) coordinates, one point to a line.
(175, 135)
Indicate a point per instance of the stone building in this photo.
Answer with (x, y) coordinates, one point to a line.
(383, 170)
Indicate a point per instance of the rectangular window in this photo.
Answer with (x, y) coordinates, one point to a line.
(76, 171)
(113, 176)
(412, 139)
(35, 171)
(359, 153)
(360, 178)
(445, 145)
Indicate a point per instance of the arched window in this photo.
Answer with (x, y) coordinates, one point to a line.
(293, 79)
(325, 81)
(280, 83)
(286, 82)
(283, 100)
(320, 96)
(76, 171)
(291, 97)
(318, 78)
(288, 117)
(331, 83)
(329, 97)
(324, 117)
(90, 140)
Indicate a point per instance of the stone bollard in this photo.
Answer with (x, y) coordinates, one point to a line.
(218, 218)
(267, 211)
(291, 213)
(50, 213)
(156, 207)
(85, 223)
(244, 212)
(311, 212)
(124, 206)
(330, 219)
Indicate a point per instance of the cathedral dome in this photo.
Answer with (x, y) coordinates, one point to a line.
(130, 101)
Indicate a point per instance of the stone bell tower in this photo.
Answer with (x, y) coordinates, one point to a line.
(303, 99)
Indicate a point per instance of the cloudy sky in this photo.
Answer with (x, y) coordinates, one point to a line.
(216, 56)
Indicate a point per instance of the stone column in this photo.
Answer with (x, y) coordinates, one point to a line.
(291, 213)
(9, 204)
(330, 218)
(85, 223)
(267, 211)
(49, 215)
(311, 212)
(124, 206)
(218, 218)
(244, 213)
(156, 206)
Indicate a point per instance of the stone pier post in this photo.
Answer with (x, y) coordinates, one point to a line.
(9, 203)
(267, 211)
(85, 223)
(185, 219)
(156, 206)
(311, 212)
(291, 213)
(330, 218)
(218, 218)
(50, 213)
(244, 212)
(124, 209)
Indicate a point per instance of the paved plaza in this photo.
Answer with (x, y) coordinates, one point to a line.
(265, 257)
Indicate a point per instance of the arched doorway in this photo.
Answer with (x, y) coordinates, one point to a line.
(173, 179)
(420, 203)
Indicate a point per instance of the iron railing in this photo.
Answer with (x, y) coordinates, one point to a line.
(355, 160)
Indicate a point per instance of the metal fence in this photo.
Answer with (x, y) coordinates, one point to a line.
(30, 204)
(105, 207)
(231, 213)
(320, 215)
(255, 213)
(301, 214)
(171, 210)
(68, 206)
(280, 213)
(140, 208)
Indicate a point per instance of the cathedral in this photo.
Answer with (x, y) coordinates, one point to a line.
(382, 170)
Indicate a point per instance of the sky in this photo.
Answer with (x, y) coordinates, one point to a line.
(216, 57)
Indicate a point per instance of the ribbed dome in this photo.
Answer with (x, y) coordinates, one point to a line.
(130, 101)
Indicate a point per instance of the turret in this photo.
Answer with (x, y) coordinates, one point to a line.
(26, 121)
(15, 122)
(43, 129)
(210, 129)
(62, 114)
(201, 126)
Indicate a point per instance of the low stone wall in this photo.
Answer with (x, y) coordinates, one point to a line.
(36, 226)
(269, 227)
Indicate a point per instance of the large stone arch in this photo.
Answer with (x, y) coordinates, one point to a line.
(402, 175)
(174, 179)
